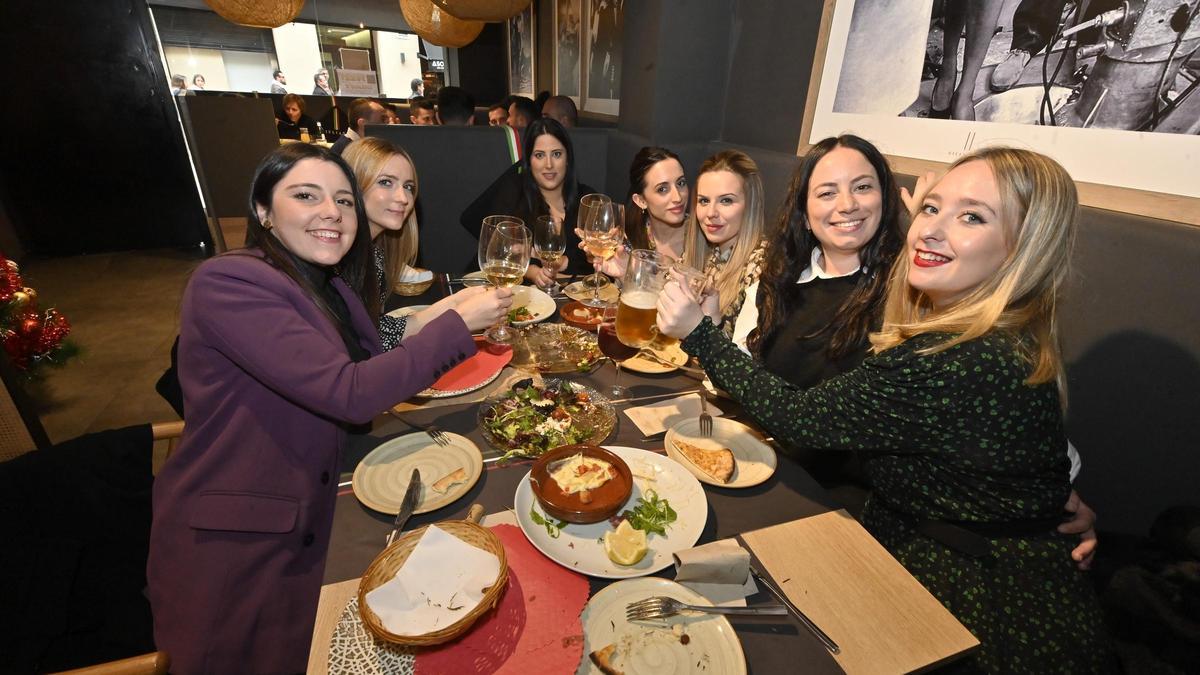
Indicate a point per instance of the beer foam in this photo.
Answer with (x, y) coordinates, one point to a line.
(640, 299)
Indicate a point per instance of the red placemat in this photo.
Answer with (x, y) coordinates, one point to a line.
(534, 629)
(475, 370)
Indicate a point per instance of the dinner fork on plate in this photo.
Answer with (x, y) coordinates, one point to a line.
(661, 607)
(434, 432)
(706, 423)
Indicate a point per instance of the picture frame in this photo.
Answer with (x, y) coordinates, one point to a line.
(603, 32)
(521, 51)
(568, 49)
(1139, 172)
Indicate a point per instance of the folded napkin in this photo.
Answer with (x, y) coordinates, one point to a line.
(657, 417)
(412, 275)
(719, 570)
(443, 579)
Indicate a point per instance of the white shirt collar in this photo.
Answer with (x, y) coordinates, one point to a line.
(352, 135)
(816, 270)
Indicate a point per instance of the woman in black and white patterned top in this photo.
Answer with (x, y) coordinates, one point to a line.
(388, 180)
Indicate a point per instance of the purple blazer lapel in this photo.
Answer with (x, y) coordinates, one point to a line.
(368, 332)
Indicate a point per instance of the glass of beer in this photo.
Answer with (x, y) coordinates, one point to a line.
(695, 281)
(504, 248)
(643, 281)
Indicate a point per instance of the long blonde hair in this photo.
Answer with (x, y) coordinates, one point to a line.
(696, 247)
(366, 157)
(1040, 206)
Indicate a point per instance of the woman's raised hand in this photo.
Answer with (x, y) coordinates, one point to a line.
(485, 308)
(678, 311)
(614, 266)
(913, 200)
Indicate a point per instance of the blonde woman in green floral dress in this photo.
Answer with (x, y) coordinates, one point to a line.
(958, 412)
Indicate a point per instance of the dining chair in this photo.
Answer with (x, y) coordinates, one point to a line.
(154, 663)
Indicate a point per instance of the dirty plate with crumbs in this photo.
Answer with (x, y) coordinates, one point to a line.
(688, 643)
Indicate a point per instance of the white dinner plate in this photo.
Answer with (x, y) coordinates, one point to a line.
(382, 477)
(754, 460)
(654, 647)
(540, 305)
(405, 311)
(581, 548)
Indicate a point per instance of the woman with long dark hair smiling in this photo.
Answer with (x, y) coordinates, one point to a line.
(542, 183)
(278, 357)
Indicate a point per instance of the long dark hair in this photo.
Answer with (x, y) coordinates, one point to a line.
(534, 201)
(635, 217)
(791, 252)
(355, 266)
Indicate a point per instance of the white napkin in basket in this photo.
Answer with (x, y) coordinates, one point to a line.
(443, 579)
(718, 570)
(412, 275)
(656, 418)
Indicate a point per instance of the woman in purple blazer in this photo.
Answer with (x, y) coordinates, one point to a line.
(277, 356)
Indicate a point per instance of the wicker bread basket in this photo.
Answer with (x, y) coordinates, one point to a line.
(409, 288)
(389, 562)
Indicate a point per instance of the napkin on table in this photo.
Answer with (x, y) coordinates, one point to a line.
(655, 418)
(442, 572)
(412, 275)
(719, 570)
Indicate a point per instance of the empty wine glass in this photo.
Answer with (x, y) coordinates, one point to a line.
(603, 234)
(504, 248)
(549, 244)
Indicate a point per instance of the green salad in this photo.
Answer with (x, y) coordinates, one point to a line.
(528, 420)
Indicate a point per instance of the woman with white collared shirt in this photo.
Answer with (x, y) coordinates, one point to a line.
(821, 289)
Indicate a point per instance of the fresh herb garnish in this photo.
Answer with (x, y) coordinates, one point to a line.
(552, 528)
(521, 313)
(651, 515)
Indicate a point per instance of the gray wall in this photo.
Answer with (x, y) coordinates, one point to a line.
(701, 77)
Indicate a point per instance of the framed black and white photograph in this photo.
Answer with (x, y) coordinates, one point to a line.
(1109, 92)
(604, 28)
(521, 53)
(568, 22)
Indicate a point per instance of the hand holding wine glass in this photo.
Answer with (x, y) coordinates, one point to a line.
(549, 245)
(603, 234)
(504, 249)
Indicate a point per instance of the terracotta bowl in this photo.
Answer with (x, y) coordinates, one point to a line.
(606, 500)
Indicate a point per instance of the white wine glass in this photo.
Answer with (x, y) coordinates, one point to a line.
(504, 248)
(549, 245)
(603, 234)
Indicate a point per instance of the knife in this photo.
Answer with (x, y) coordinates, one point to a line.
(411, 496)
(812, 627)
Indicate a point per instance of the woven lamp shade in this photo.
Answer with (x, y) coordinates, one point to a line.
(438, 27)
(483, 10)
(257, 13)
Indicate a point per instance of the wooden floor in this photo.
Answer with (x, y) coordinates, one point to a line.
(124, 313)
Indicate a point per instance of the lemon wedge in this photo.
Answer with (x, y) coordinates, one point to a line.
(625, 545)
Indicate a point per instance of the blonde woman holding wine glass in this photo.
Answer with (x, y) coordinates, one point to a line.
(504, 248)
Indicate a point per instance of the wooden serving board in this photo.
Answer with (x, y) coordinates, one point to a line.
(848, 584)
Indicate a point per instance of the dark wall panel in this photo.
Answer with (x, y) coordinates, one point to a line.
(97, 162)
(481, 66)
(773, 44)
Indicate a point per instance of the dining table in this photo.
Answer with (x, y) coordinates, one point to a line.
(790, 496)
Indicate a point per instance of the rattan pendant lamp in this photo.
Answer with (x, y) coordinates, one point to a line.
(257, 13)
(438, 27)
(483, 10)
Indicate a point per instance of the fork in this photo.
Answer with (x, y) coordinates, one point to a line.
(661, 607)
(434, 432)
(706, 423)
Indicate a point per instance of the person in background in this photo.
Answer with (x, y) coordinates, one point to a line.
(389, 115)
(179, 85)
(294, 120)
(522, 111)
(278, 84)
(362, 111)
(562, 109)
(279, 354)
(387, 178)
(958, 410)
(728, 241)
(421, 111)
(417, 86)
(539, 101)
(542, 183)
(498, 115)
(198, 82)
(455, 107)
(321, 83)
